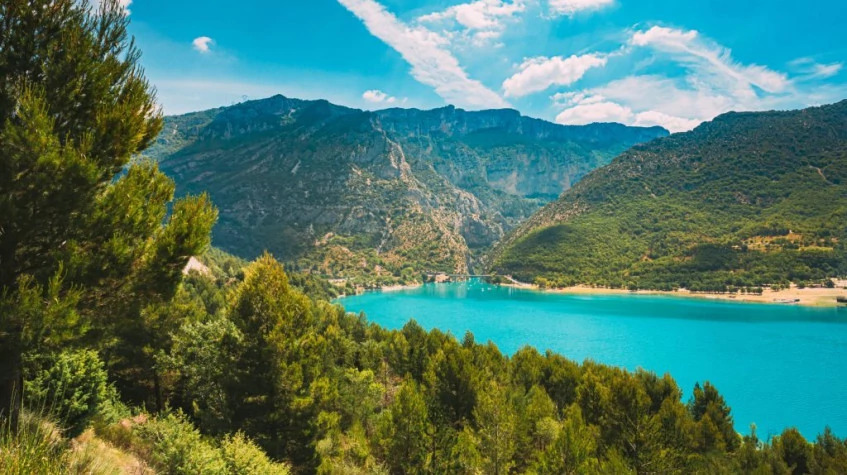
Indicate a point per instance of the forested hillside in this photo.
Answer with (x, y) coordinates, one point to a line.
(746, 200)
(327, 392)
(376, 196)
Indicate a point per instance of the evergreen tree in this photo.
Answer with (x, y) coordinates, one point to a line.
(465, 453)
(713, 416)
(406, 431)
(277, 361)
(536, 426)
(74, 108)
(496, 429)
(793, 449)
(575, 447)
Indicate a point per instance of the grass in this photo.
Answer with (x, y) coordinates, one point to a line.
(39, 447)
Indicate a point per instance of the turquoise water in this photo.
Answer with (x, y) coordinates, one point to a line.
(777, 366)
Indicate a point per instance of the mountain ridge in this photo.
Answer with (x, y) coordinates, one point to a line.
(391, 193)
(755, 193)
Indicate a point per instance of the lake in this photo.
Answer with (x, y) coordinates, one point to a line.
(776, 365)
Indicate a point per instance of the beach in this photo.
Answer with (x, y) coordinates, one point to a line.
(809, 296)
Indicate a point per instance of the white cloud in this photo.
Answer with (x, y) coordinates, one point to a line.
(427, 53)
(814, 70)
(675, 97)
(377, 96)
(572, 7)
(203, 44)
(644, 101)
(827, 70)
(538, 74)
(712, 60)
(482, 20)
(567, 98)
(713, 83)
(479, 15)
(589, 108)
(670, 122)
(603, 111)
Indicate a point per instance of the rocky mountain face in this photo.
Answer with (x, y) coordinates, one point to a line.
(385, 194)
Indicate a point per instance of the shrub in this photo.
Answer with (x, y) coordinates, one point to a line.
(244, 457)
(174, 445)
(73, 389)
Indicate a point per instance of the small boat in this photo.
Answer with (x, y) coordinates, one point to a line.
(841, 300)
(786, 300)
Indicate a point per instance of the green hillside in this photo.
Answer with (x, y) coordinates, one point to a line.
(749, 199)
(376, 196)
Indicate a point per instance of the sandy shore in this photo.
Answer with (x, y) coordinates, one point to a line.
(395, 288)
(815, 297)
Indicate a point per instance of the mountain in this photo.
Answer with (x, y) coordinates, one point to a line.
(748, 199)
(392, 193)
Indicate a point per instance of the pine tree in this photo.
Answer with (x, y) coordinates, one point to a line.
(496, 421)
(715, 426)
(279, 358)
(575, 447)
(74, 109)
(406, 431)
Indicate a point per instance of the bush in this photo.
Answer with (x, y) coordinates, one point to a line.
(244, 457)
(174, 446)
(73, 389)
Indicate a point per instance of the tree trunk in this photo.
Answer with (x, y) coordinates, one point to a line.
(11, 386)
(157, 389)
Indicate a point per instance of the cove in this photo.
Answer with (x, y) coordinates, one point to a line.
(777, 366)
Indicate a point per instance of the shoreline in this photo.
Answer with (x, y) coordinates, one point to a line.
(808, 297)
(397, 287)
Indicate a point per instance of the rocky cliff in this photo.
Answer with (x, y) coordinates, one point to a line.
(377, 195)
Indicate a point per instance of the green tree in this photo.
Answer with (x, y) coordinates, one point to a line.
(575, 448)
(795, 451)
(451, 381)
(465, 453)
(177, 447)
(496, 429)
(633, 427)
(74, 387)
(32, 318)
(74, 108)
(406, 431)
(203, 355)
(830, 453)
(144, 341)
(536, 426)
(715, 427)
(244, 457)
(277, 361)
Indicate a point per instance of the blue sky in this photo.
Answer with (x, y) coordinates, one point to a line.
(673, 63)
